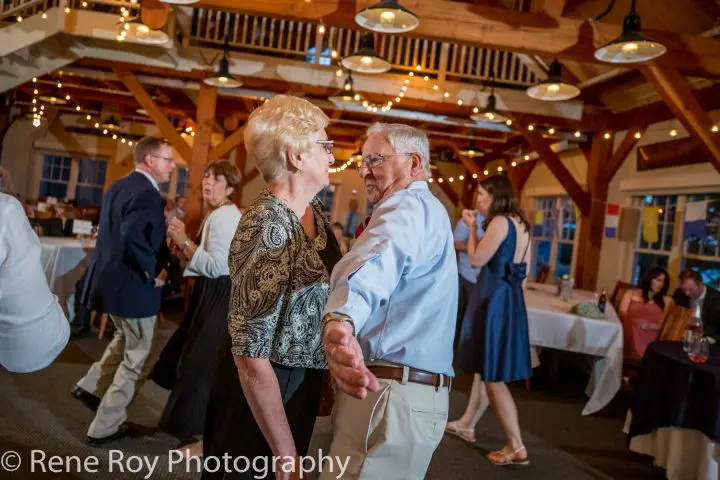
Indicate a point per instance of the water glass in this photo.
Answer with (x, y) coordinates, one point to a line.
(699, 349)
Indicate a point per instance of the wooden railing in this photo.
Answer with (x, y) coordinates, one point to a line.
(306, 41)
(11, 10)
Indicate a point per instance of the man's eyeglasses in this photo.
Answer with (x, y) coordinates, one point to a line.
(376, 159)
(327, 145)
(167, 159)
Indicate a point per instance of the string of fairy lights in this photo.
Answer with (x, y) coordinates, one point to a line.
(84, 4)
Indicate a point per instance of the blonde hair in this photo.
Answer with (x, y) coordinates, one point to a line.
(282, 122)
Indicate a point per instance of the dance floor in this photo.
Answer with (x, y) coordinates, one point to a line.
(38, 413)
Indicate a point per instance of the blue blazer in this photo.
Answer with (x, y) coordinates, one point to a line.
(130, 251)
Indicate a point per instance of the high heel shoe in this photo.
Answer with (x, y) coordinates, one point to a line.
(501, 458)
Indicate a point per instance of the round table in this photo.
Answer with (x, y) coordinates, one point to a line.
(65, 261)
(676, 411)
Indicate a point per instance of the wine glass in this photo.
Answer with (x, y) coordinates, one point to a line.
(699, 349)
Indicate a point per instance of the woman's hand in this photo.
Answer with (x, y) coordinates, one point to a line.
(469, 217)
(177, 231)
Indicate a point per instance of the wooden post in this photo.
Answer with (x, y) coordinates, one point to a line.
(200, 155)
(592, 223)
(240, 161)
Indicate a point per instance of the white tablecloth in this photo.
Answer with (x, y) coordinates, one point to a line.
(684, 454)
(552, 325)
(64, 261)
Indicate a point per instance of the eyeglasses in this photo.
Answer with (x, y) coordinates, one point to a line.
(327, 145)
(167, 159)
(376, 159)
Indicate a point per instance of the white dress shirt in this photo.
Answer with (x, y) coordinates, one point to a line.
(399, 283)
(149, 177)
(33, 327)
(211, 257)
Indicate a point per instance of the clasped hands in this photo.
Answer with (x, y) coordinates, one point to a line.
(346, 362)
(176, 230)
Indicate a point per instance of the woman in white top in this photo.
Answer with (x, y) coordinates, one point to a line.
(33, 327)
(186, 363)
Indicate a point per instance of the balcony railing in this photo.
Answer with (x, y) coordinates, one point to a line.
(305, 41)
(10, 10)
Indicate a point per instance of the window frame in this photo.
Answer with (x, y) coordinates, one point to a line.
(562, 207)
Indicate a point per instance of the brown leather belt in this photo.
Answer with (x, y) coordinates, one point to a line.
(414, 376)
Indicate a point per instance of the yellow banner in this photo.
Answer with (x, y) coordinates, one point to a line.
(650, 224)
(539, 217)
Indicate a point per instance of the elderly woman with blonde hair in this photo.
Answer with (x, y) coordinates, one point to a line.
(269, 374)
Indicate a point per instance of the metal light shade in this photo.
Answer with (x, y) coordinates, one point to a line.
(554, 88)
(366, 60)
(472, 151)
(630, 47)
(223, 79)
(180, 2)
(387, 17)
(347, 94)
(53, 99)
(110, 124)
(136, 31)
(490, 113)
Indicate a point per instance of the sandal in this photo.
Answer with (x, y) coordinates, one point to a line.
(453, 429)
(502, 459)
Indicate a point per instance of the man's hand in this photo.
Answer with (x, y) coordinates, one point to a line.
(159, 282)
(345, 358)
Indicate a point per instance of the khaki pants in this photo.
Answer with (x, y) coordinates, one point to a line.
(120, 373)
(391, 434)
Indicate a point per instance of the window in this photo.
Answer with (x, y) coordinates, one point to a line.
(182, 182)
(554, 236)
(326, 196)
(646, 254)
(91, 179)
(703, 253)
(55, 176)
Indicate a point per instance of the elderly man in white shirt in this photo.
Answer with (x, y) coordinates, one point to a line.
(389, 322)
(33, 327)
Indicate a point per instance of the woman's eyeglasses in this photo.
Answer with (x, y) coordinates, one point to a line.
(327, 145)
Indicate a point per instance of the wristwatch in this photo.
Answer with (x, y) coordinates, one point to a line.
(186, 244)
(335, 317)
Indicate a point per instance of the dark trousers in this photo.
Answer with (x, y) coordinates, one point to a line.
(230, 427)
(465, 287)
(81, 322)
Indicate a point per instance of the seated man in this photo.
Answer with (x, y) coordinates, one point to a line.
(693, 292)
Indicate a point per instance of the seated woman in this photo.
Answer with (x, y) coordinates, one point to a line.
(642, 311)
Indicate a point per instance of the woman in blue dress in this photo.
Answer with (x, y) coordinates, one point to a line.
(494, 342)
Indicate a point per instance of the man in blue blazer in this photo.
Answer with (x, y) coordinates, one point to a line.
(125, 281)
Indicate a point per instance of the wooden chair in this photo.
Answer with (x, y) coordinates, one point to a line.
(543, 274)
(618, 292)
(673, 327)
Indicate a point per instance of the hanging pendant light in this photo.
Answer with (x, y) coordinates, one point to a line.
(554, 88)
(387, 17)
(490, 113)
(632, 46)
(135, 30)
(110, 123)
(472, 150)
(222, 78)
(180, 2)
(366, 60)
(347, 94)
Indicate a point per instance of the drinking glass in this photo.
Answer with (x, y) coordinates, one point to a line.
(699, 350)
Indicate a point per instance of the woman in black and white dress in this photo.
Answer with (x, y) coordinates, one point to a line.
(186, 364)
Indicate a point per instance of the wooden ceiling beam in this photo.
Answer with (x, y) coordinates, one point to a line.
(618, 157)
(520, 174)
(161, 122)
(558, 169)
(676, 93)
(708, 97)
(226, 146)
(554, 8)
(451, 194)
(497, 28)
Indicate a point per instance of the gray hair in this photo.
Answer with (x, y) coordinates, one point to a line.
(404, 139)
